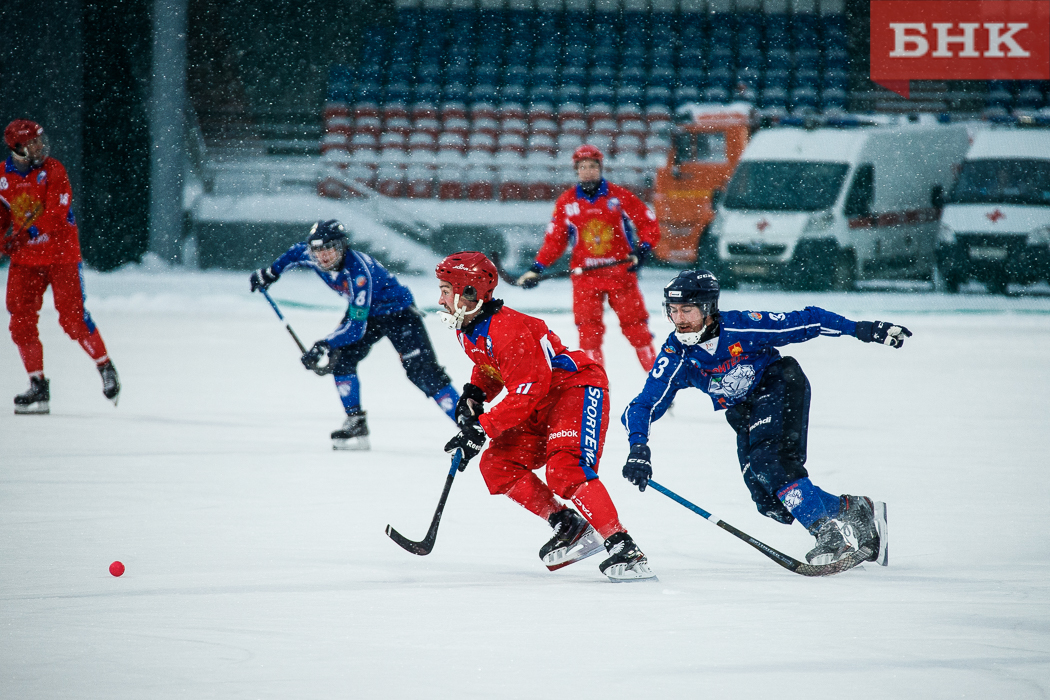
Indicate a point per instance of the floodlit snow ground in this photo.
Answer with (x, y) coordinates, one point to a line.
(257, 566)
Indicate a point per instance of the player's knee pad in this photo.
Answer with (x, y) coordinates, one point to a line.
(590, 335)
(74, 326)
(424, 372)
(638, 334)
(23, 329)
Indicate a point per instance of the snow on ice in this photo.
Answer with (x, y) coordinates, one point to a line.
(257, 567)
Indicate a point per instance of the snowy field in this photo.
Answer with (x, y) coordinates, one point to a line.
(257, 566)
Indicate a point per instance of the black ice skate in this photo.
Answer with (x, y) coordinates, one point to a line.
(627, 562)
(831, 545)
(110, 381)
(353, 435)
(868, 521)
(37, 399)
(574, 539)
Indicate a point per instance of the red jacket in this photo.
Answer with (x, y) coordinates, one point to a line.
(519, 352)
(599, 229)
(42, 219)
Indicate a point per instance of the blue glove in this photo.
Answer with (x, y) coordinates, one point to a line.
(882, 332)
(261, 279)
(638, 469)
(471, 439)
(641, 254)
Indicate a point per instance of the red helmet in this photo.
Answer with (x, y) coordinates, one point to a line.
(587, 152)
(20, 132)
(471, 269)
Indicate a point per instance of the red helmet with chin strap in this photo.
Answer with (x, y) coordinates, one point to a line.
(469, 269)
(587, 152)
(20, 132)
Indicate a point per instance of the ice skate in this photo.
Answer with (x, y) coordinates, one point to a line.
(831, 545)
(574, 539)
(868, 521)
(36, 399)
(353, 435)
(110, 381)
(626, 563)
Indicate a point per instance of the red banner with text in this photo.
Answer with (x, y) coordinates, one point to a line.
(958, 40)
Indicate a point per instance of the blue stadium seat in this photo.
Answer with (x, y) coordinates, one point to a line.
(456, 91)
(398, 92)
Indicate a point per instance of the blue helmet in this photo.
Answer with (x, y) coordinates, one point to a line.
(326, 236)
(698, 287)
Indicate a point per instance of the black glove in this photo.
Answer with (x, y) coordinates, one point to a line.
(470, 439)
(312, 358)
(638, 469)
(263, 278)
(641, 255)
(882, 332)
(471, 404)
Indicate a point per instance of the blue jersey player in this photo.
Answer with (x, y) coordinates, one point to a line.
(732, 356)
(378, 306)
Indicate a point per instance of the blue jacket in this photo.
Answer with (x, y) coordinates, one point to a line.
(729, 366)
(369, 287)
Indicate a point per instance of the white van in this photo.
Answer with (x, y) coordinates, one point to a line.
(996, 223)
(820, 208)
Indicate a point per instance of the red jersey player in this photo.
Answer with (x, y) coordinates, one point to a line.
(555, 413)
(44, 248)
(604, 223)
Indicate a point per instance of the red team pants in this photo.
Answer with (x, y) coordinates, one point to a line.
(25, 296)
(588, 306)
(566, 433)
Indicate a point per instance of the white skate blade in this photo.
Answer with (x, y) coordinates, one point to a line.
(883, 528)
(830, 558)
(358, 444)
(588, 544)
(37, 408)
(626, 573)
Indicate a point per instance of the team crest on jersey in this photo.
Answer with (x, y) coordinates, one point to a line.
(668, 349)
(613, 204)
(597, 236)
(754, 315)
(360, 281)
(41, 176)
(735, 383)
(488, 346)
(735, 349)
(777, 317)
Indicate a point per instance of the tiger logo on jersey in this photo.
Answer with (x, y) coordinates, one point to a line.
(597, 236)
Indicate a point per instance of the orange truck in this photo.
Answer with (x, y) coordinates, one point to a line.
(704, 152)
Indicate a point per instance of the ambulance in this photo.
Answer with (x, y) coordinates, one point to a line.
(996, 222)
(819, 208)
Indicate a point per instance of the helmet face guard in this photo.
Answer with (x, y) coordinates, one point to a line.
(472, 277)
(698, 288)
(27, 141)
(327, 244)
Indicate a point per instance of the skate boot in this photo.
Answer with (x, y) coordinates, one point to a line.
(626, 563)
(574, 539)
(110, 381)
(831, 545)
(36, 399)
(353, 435)
(867, 518)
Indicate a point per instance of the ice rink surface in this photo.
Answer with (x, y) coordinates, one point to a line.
(257, 566)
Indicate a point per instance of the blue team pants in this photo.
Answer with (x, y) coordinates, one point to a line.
(409, 337)
(771, 428)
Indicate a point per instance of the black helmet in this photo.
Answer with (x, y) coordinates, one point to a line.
(698, 287)
(327, 235)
